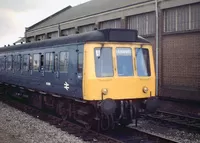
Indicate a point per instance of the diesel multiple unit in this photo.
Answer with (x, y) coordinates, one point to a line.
(103, 77)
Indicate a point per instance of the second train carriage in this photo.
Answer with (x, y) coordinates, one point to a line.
(103, 76)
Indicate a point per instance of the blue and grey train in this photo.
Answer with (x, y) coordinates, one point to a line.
(102, 77)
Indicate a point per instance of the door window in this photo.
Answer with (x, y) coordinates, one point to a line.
(49, 62)
(64, 61)
(36, 62)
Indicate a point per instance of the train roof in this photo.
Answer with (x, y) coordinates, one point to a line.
(105, 35)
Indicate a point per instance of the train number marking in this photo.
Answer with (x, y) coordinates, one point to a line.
(66, 86)
(48, 83)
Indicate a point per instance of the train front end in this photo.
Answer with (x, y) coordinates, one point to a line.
(120, 78)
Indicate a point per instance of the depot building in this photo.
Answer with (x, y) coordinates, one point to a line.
(178, 35)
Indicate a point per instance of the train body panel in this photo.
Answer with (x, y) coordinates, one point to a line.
(48, 78)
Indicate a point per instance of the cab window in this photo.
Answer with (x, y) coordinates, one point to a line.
(143, 63)
(124, 61)
(103, 62)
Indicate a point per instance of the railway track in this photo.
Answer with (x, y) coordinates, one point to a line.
(180, 120)
(120, 135)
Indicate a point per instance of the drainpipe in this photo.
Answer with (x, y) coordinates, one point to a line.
(157, 48)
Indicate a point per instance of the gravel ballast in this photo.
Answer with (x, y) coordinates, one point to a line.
(163, 130)
(18, 127)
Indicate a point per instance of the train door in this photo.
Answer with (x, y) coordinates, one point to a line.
(79, 77)
(64, 66)
(68, 59)
(79, 71)
(17, 68)
(25, 69)
(49, 60)
(36, 70)
(9, 67)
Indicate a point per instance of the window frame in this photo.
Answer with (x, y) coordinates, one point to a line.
(147, 66)
(39, 55)
(113, 73)
(68, 61)
(132, 60)
(17, 62)
(51, 68)
(78, 63)
(10, 64)
(27, 62)
(2, 60)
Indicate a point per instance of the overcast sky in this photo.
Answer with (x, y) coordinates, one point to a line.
(15, 15)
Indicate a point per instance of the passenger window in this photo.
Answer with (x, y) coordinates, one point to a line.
(18, 62)
(80, 62)
(64, 61)
(30, 62)
(103, 62)
(36, 62)
(143, 63)
(56, 62)
(2, 63)
(49, 62)
(26, 62)
(41, 61)
(124, 61)
(9, 63)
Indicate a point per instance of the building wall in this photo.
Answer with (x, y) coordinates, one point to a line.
(179, 40)
(181, 52)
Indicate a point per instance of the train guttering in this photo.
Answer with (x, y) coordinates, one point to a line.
(106, 75)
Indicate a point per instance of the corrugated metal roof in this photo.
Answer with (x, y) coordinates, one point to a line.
(104, 35)
(86, 9)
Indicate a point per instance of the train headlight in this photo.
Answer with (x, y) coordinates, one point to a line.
(145, 89)
(104, 91)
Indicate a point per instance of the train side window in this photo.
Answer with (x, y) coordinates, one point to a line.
(55, 62)
(49, 62)
(2, 63)
(9, 63)
(80, 63)
(64, 61)
(30, 62)
(18, 62)
(36, 62)
(26, 62)
(41, 62)
(15, 62)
